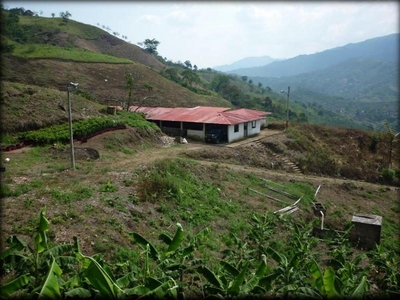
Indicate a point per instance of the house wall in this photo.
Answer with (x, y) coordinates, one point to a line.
(235, 136)
(253, 131)
(240, 135)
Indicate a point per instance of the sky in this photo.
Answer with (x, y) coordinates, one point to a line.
(214, 33)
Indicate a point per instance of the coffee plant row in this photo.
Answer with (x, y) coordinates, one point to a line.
(253, 266)
(60, 133)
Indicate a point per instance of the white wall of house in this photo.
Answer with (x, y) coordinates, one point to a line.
(253, 128)
(235, 136)
(240, 135)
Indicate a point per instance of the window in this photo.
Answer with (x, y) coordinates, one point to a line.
(236, 129)
(253, 124)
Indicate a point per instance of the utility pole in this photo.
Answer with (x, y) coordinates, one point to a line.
(287, 108)
(71, 86)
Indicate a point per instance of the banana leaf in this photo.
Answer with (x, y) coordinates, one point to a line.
(100, 280)
(176, 241)
(78, 293)
(143, 242)
(14, 285)
(238, 281)
(210, 276)
(51, 288)
(361, 289)
(329, 283)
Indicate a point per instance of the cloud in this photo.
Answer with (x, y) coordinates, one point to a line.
(178, 18)
(150, 19)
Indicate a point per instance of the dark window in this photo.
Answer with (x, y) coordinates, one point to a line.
(193, 126)
(253, 124)
(171, 124)
(236, 129)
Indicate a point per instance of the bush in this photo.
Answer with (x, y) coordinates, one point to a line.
(389, 175)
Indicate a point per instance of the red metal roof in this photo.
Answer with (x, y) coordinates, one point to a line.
(201, 114)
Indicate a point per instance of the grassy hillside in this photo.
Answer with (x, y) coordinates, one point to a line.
(138, 188)
(72, 34)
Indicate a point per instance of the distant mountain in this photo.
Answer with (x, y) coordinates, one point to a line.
(361, 79)
(247, 62)
(362, 89)
(384, 48)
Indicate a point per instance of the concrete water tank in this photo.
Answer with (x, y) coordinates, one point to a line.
(366, 233)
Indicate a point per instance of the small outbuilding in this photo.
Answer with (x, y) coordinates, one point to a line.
(195, 122)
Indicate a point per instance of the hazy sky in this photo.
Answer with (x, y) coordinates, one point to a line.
(212, 33)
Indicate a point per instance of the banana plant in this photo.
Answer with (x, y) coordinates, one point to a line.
(332, 284)
(288, 274)
(262, 228)
(385, 269)
(231, 281)
(37, 269)
(173, 263)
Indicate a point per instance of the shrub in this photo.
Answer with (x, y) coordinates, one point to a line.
(389, 175)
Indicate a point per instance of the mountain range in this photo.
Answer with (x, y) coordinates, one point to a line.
(247, 62)
(359, 79)
(384, 48)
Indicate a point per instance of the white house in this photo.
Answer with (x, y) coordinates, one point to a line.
(195, 122)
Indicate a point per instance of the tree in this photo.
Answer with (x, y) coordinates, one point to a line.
(231, 92)
(267, 103)
(150, 46)
(259, 84)
(190, 76)
(188, 64)
(53, 15)
(244, 78)
(65, 16)
(149, 87)
(218, 81)
(129, 85)
(250, 81)
(195, 68)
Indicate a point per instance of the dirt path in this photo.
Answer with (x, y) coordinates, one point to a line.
(147, 156)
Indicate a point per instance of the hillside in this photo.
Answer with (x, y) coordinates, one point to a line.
(91, 78)
(361, 89)
(358, 79)
(55, 32)
(384, 48)
(142, 185)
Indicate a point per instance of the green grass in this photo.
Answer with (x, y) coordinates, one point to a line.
(55, 25)
(74, 54)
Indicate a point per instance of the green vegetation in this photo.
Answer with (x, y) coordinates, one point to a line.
(74, 54)
(253, 266)
(60, 133)
(84, 129)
